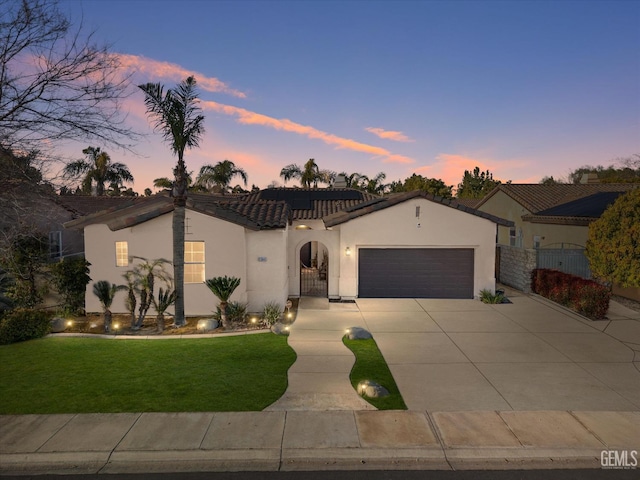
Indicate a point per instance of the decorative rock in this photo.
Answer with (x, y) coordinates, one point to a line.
(368, 388)
(58, 325)
(280, 328)
(207, 324)
(358, 333)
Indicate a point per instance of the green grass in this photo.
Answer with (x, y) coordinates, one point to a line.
(370, 365)
(82, 375)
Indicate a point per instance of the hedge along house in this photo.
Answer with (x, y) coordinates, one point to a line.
(336, 243)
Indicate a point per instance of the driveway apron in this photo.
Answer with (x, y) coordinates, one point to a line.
(464, 355)
(319, 378)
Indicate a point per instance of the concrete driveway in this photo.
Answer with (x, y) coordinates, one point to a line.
(458, 355)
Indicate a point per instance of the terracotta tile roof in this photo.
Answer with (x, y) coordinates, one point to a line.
(256, 215)
(127, 214)
(468, 202)
(385, 202)
(80, 205)
(537, 197)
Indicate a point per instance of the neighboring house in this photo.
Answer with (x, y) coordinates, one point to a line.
(550, 227)
(64, 242)
(336, 243)
(35, 209)
(549, 215)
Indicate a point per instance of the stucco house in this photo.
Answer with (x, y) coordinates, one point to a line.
(550, 227)
(546, 215)
(338, 243)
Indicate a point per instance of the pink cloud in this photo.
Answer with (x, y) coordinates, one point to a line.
(156, 69)
(450, 168)
(247, 117)
(389, 134)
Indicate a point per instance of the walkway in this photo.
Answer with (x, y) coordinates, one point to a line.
(319, 378)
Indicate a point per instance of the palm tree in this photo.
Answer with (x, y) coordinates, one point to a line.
(131, 300)
(177, 115)
(218, 177)
(105, 291)
(145, 275)
(165, 299)
(375, 185)
(98, 169)
(353, 180)
(168, 183)
(223, 288)
(308, 175)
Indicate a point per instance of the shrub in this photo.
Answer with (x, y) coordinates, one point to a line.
(24, 324)
(586, 297)
(236, 312)
(70, 278)
(487, 296)
(271, 313)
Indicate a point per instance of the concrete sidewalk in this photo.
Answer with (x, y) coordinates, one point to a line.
(311, 440)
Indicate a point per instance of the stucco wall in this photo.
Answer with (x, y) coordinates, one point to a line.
(439, 227)
(267, 273)
(516, 265)
(225, 254)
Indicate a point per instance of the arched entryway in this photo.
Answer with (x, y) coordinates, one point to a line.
(314, 270)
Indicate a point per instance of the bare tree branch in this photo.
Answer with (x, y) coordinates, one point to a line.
(56, 83)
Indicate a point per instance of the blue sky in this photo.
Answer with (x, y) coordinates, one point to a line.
(525, 89)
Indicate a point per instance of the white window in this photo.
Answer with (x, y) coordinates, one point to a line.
(122, 254)
(512, 236)
(193, 262)
(536, 241)
(55, 244)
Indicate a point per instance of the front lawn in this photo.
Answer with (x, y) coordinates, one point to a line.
(83, 375)
(370, 365)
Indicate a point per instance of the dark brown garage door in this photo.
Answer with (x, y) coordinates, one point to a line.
(415, 272)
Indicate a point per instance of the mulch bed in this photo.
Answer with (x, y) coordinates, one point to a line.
(121, 324)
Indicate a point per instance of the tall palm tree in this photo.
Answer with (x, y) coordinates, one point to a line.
(375, 185)
(106, 291)
(354, 180)
(169, 183)
(223, 288)
(178, 117)
(309, 174)
(98, 168)
(218, 177)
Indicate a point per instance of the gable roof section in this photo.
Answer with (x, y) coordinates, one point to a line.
(259, 215)
(80, 205)
(577, 212)
(537, 197)
(386, 202)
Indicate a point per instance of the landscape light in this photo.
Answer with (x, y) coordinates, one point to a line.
(69, 323)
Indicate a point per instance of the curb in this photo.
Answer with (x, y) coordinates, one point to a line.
(274, 459)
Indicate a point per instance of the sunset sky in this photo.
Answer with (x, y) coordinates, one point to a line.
(524, 89)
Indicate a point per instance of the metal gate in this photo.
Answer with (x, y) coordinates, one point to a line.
(568, 260)
(313, 282)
